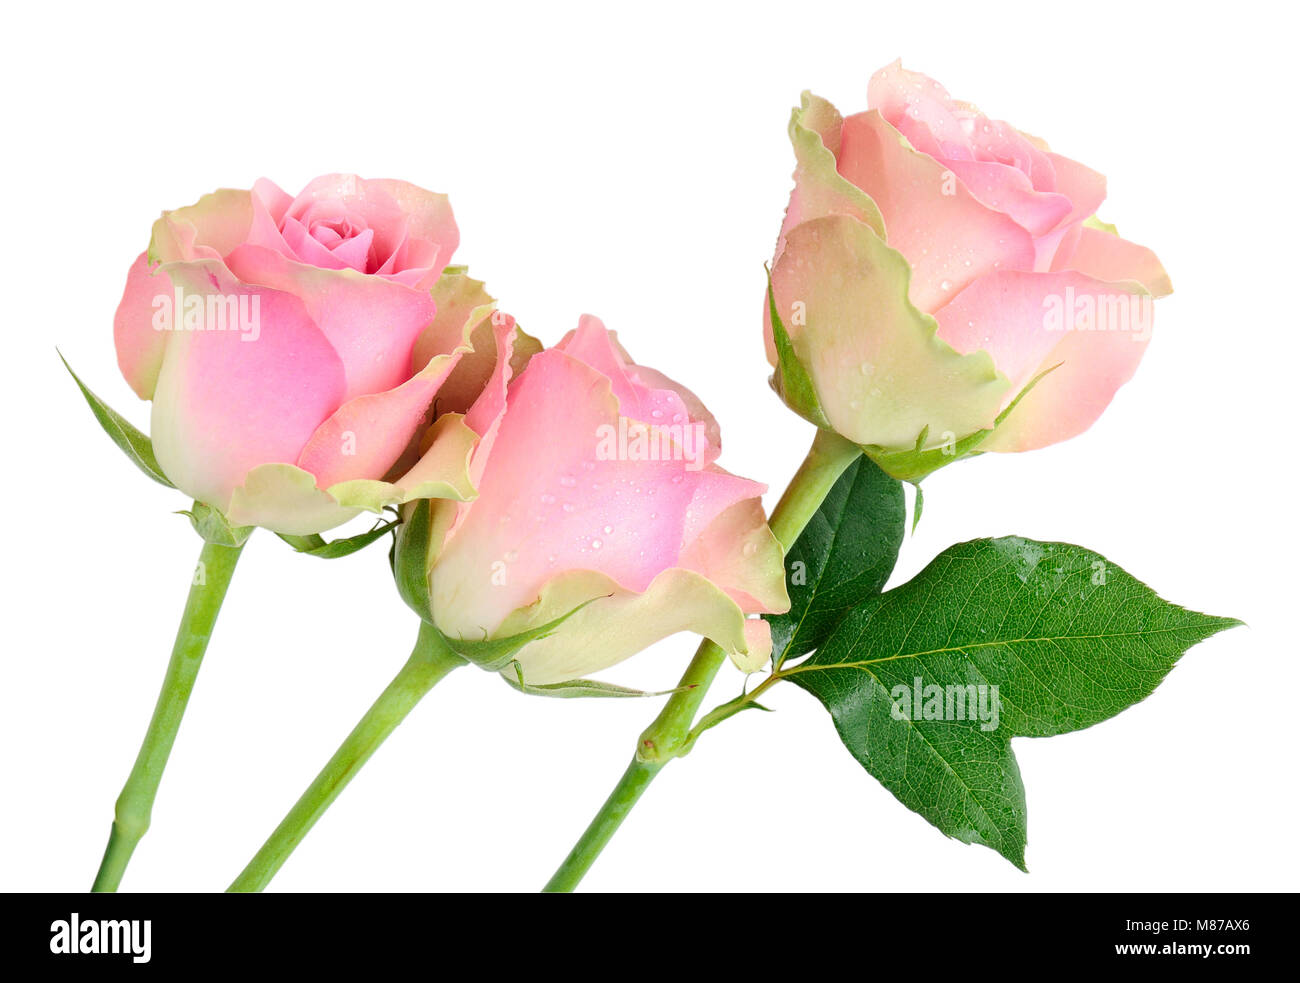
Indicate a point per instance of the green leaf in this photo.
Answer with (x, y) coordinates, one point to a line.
(214, 527)
(333, 549)
(576, 688)
(843, 556)
(791, 380)
(1067, 638)
(137, 446)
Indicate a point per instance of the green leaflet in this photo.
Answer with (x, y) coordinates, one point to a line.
(574, 688)
(135, 445)
(843, 556)
(1067, 638)
(791, 380)
(214, 527)
(333, 549)
(409, 558)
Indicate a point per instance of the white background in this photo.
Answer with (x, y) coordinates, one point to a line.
(634, 164)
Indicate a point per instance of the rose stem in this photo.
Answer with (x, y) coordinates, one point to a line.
(135, 804)
(828, 458)
(431, 659)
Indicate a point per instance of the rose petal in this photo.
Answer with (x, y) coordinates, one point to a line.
(1094, 355)
(820, 189)
(208, 229)
(227, 401)
(948, 237)
(139, 344)
(881, 373)
(365, 436)
(372, 322)
(1106, 256)
(617, 623)
(548, 502)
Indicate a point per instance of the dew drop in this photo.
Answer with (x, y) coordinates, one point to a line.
(596, 544)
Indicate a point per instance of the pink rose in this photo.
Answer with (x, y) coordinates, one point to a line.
(933, 263)
(275, 336)
(598, 499)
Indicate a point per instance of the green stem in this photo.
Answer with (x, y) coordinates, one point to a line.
(670, 733)
(635, 780)
(430, 661)
(135, 804)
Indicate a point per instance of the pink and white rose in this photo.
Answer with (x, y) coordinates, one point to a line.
(639, 536)
(293, 346)
(934, 262)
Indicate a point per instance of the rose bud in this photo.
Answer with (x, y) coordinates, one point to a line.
(601, 524)
(292, 348)
(941, 284)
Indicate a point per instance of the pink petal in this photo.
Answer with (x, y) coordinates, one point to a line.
(371, 321)
(305, 248)
(1008, 190)
(365, 436)
(227, 402)
(949, 239)
(1085, 187)
(661, 406)
(548, 503)
(921, 109)
(139, 346)
(738, 552)
(1096, 354)
(1004, 314)
(1108, 257)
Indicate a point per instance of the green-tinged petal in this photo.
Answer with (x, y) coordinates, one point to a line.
(210, 228)
(618, 623)
(441, 472)
(284, 498)
(819, 188)
(882, 375)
